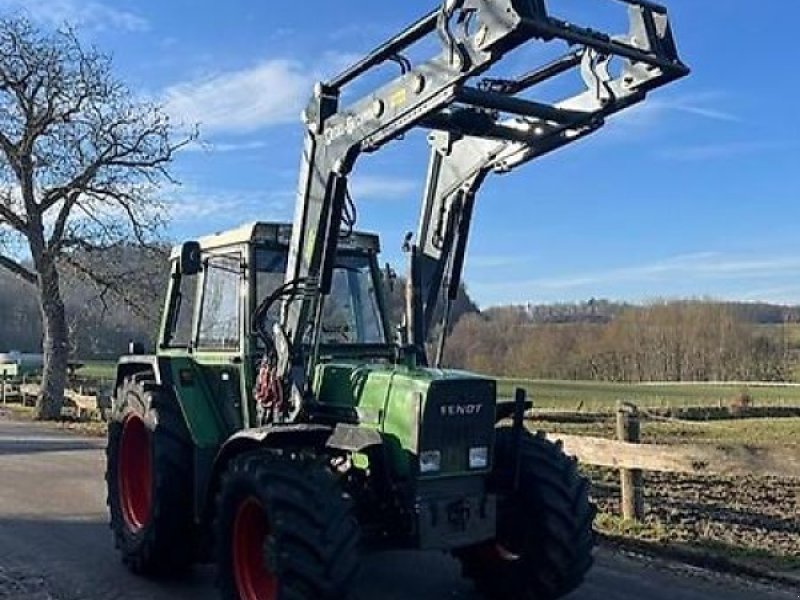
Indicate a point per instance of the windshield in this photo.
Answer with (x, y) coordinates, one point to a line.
(351, 315)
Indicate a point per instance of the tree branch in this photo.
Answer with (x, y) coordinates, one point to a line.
(16, 222)
(107, 284)
(19, 270)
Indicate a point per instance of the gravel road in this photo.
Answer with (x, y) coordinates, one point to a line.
(54, 544)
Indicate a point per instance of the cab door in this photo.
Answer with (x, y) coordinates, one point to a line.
(218, 348)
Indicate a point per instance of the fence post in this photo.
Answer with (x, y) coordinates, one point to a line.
(629, 431)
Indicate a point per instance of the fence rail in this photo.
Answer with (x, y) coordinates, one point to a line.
(632, 457)
(78, 404)
(693, 459)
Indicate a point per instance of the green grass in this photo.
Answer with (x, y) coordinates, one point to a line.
(756, 432)
(97, 369)
(600, 396)
(760, 432)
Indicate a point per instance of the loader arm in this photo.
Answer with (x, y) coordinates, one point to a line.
(460, 163)
(473, 35)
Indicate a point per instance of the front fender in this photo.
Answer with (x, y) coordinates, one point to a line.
(343, 437)
(130, 365)
(248, 440)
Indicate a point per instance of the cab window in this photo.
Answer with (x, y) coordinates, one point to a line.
(352, 314)
(185, 304)
(220, 315)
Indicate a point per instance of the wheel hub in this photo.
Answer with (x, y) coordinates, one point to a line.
(254, 578)
(135, 473)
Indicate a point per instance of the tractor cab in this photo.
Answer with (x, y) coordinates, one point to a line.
(216, 287)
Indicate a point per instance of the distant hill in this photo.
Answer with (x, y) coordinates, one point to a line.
(604, 311)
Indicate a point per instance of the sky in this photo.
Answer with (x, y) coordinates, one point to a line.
(695, 193)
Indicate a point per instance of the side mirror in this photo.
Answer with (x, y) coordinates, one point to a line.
(191, 263)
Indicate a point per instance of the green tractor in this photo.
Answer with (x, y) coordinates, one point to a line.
(282, 428)
(397, 455)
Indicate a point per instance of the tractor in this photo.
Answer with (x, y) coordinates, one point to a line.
(284, 426)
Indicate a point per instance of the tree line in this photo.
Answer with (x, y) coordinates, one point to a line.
(595, 340)
(663, 341)
(101, 320)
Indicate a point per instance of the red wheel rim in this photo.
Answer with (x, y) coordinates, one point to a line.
(135, 473)
(254, 579)
(496, 551)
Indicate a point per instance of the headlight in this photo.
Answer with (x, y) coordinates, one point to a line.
(478, 458)
(430, 461)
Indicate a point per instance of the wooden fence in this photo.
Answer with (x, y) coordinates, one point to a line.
(632, 458)
(78, 405)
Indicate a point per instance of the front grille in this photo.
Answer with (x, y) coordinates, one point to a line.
(459, 414)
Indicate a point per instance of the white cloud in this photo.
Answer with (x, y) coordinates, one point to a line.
(271, 93)
(707, 105)
(707, 265)
(225, 147)
(703, 267)
(212, 209)
(87, 14)
(247, 100)
(376, 187)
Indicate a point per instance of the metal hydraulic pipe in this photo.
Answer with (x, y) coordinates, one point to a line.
(397, 44)
(517, 106)
(492, 131)
(602, 43)
(555, 68)
(646, 4)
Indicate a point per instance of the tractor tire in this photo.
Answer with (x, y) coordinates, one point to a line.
(284, 530)
(544, 542)
(149, 476)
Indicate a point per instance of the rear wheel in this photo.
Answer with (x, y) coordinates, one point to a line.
(284, 529)
(149, 479)
(544, 542)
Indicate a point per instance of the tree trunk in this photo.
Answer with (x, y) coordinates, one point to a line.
(55, 346)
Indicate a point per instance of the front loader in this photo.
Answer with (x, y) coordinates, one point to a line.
(281, 429)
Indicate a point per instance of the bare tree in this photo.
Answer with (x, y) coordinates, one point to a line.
(80, 160)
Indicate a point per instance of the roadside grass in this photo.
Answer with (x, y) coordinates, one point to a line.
(602, 396)
(97, 429)
(657, 538)
(18, 412)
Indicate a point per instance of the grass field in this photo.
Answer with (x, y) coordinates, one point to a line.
(97, 369)
(759, 432)
(599, 396)
(596, 396)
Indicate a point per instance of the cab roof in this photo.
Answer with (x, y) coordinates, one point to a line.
(277, 234)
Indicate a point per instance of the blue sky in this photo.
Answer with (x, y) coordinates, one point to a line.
(694, 194)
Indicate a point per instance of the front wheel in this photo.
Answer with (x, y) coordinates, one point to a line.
(284, 529)
(544, 542)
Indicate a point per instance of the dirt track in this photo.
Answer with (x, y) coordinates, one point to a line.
(54, 544)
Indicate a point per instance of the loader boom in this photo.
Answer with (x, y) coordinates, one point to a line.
(478, 127)
(460, 162)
